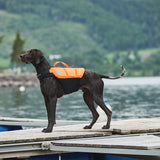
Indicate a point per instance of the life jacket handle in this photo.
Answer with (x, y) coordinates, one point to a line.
(66, 65)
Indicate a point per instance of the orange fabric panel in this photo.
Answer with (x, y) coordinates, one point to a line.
(61, 72)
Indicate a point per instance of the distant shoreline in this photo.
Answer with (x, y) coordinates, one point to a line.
(17, 80)
(30, 80)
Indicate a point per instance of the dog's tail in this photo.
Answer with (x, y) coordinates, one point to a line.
(108, 77)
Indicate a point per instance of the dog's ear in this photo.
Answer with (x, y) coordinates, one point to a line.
(39, 59)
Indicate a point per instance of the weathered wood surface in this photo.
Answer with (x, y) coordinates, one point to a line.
(145, 125)
(77, 131)
(132, 126)
(144, 142)
(34, 135)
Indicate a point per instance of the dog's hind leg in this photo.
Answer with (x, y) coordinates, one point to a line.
(88, 98)
(99, 101)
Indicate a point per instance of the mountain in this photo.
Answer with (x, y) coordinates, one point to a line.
(83, 32)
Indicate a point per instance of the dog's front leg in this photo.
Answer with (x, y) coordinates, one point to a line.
(51, 111)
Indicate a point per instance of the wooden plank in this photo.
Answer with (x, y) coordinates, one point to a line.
(97, 138)
(117, 127)
(145, 125)
(34, 135)
(77, 131)
(120, 127)
(144, 142)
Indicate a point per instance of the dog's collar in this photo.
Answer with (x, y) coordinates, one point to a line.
(44, 75)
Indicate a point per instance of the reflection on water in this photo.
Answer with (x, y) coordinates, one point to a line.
(127, 101)
(134, 101)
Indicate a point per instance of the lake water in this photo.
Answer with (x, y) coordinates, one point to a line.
(128, 97)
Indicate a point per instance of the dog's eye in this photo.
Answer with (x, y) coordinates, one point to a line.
(30, 53)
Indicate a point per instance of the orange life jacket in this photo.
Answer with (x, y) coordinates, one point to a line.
(69, 78)
(63, 73)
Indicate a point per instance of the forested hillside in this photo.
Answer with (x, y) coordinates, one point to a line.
(95, 34)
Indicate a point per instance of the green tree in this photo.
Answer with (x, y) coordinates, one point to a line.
(17, 50)
(1, 38)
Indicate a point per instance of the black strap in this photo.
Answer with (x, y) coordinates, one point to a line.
(44, 75)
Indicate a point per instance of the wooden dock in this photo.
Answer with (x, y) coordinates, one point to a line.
(136, 136)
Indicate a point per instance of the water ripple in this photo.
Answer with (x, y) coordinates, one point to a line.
(127, 101)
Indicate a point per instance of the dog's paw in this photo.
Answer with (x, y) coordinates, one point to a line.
(105, 127)
(87, 127)
(47, 130)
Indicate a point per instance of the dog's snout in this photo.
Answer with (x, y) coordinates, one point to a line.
(22, 55)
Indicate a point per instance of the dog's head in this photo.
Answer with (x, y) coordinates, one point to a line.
(34, 56)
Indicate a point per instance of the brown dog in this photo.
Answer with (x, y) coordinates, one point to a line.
(91, 84)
